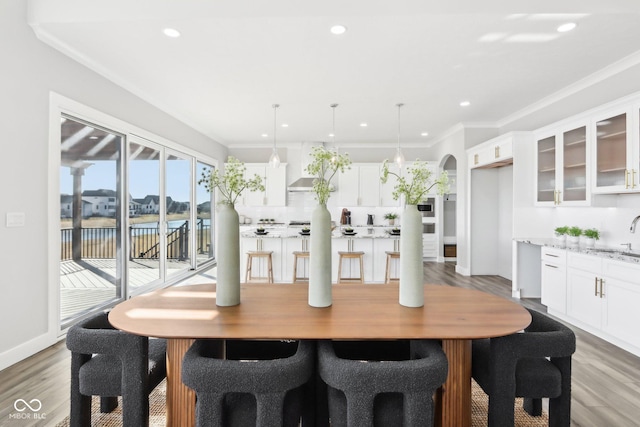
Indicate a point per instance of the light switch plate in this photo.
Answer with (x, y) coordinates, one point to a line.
(15, 219)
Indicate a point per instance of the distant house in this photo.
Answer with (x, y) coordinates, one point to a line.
(66, 207)
(103, 201)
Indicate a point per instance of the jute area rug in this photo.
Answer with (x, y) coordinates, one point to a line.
(158, 397)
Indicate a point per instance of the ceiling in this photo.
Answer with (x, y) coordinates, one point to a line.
(235, 59)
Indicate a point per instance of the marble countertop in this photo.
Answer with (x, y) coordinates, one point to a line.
(601, 251)
(375, 232)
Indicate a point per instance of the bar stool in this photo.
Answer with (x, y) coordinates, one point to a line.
(350, 256)
(296, 256)
(391, 255)
(259, 254)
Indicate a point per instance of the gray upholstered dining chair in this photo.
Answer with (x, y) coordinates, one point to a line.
(258, 384)
(107, 362)
(369, 386)
(533, 364)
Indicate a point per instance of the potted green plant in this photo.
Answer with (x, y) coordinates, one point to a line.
(413, 187)
(230, 185)
(391, 217)
(560, 234)
(574, 234)
(591, 235)
(324, 166)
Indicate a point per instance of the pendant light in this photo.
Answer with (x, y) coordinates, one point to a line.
(274, 160)
(398, 159)
(333, 133)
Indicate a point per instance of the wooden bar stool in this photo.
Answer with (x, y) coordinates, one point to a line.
(350, 256)
(391, 255)
(259, 254)
(296, 256)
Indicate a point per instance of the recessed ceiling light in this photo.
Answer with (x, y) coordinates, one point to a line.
(331, 135)
(566, 27)
(424, 134)
(338, 29)
(364, 125)
(465, 103)
(171, 32)
(264, 135)
(284, 125)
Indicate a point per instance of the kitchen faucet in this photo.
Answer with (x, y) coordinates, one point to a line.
(632, 229)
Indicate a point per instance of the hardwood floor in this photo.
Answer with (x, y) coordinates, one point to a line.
(605, 384)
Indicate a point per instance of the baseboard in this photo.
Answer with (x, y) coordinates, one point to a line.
(463, 270)
(26, 349)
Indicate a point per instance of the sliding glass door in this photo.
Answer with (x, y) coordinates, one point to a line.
(178, 178)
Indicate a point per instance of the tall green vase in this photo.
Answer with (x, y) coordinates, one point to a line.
(320, 258)
(228, 259)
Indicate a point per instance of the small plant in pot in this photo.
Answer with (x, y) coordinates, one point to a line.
(391, 217)
(574, 234)
(561, 233)
(591, 235)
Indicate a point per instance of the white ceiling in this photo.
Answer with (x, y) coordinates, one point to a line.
(237, 58)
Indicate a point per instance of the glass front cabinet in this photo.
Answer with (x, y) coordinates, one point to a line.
(562, 177)
(616, 151)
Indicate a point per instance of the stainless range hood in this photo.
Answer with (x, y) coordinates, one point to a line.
(301, 184)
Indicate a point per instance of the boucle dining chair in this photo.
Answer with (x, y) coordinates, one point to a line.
(371, 388)
(533, 364)
(107, 362)
(258, 384)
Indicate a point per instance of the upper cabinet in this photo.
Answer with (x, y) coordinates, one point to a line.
(616, 151)
(561, 167)
(274, 180)
(386, 189)
(360, 185)
(493, 153)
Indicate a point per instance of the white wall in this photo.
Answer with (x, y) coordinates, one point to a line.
(30, 71)
(505, 220)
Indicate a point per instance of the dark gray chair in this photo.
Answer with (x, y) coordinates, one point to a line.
(267, 384)
(107, 362)
(533, 364)
(371, 384)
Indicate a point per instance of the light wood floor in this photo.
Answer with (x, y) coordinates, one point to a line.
(606, 379)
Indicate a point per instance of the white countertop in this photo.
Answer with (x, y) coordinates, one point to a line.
(371, 232)
(601, 251)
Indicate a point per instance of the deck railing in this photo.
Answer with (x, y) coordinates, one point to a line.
(144, 242)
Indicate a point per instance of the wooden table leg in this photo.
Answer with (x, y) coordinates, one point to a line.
(456, 391)
(181, 400)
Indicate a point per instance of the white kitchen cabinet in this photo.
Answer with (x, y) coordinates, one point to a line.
(562, 165)
(351, 266)
(495, 151)
(274, 180)
(260, 267)
(429, 245)
(622, 295)
(585, 289)
(554, 279)
(616, 151)
(359, 186)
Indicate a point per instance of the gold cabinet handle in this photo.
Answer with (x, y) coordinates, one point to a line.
(633, 178)
(475, 159)
(601, 288)
(626, 179)
(596, 287)
(497, 151)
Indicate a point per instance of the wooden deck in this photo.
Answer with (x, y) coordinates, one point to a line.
(89, 283)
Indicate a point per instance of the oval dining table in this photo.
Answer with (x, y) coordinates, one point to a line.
(359, 312)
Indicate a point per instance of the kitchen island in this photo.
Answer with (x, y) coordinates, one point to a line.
(374, 241)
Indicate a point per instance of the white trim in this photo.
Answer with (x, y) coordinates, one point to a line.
(462, 270)
(26, 349)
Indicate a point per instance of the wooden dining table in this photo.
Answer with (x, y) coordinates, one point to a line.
(359, 312)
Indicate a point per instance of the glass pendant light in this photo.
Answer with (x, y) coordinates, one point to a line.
(398, 159)
(274, 160)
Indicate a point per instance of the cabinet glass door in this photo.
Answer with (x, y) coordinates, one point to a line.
(575, 165)
(546, 169)
(611, 151)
